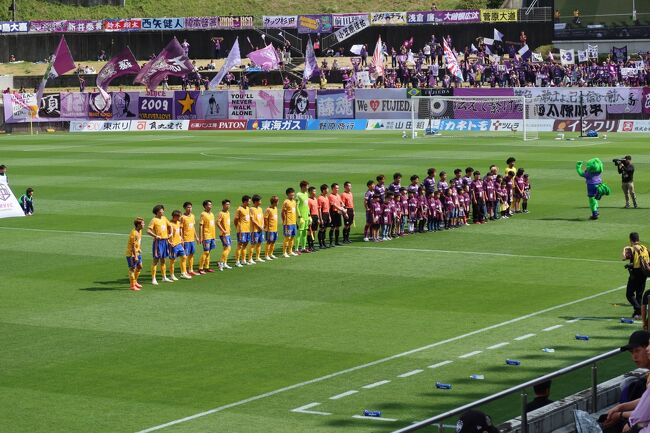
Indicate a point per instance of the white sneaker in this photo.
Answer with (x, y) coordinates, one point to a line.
(225, 265)
(174, 277)
(251, 262)
(154, 282)
(186, 276)
(237, 264)
(167, 280)
(366, 240)
(285, 255)
(220, 267)
(260, 260)
(273, 257)
(294, 254)
(268, 258)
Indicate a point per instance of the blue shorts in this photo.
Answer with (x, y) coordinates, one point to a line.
(209, 244)
(176, 251)
(257, 238)
(189, 247)
(134, 262)
(271, 237)
(226, 241)
(160, 249)
(290, 231)
(243, 238)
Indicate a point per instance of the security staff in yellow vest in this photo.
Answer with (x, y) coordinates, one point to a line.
(636, 281)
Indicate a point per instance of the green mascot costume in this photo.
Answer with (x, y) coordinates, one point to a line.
(592, 172)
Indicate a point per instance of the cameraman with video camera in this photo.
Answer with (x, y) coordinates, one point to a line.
(626, 170)
(634, 253)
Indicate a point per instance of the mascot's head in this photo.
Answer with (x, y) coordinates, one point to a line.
(594, 166)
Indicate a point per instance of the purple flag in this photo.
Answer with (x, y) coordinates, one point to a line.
(61, 63)
(171, 61)
(311, 64)
(266, 58)
(124, 63)
(234, 59)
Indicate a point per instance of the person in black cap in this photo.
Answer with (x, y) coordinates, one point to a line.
(475, 421)
(636, 345)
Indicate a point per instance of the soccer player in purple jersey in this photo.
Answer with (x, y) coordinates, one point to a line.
(509, 180)
(376, 212)
(404, 202)
(526, 197)
(518, 189)
(449, 210)
(478, 199)
(387, 218)
(396, 185)
(380, 188)
(469, 174)
(431, 206)
(414, 185)
(457, 181)
(413, 207)
(367, 203)
(423, 209)
(429, 182)
(438, 216)
(490, 195)
(443, 186)
(397, 215)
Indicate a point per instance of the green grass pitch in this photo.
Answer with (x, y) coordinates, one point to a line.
(336, 332)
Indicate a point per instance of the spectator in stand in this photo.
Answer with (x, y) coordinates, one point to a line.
(324, 65)
(186, 47)
(82, 84)
(542, 392)
(434, 6)
(217, 47)
(211, 66)
(364, 56)
(101, 56)
(576, 16)
(426, 50)
(12, 58)
(335, 65)
(557, 16)
(523, 39)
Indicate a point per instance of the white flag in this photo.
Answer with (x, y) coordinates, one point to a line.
(234, 59)
(9, 206)
(582, 56)
(567, 57)
(488, 41)
(537, 57)
(498, 36)
(592, 51)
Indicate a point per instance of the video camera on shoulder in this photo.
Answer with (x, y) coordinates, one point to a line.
(618, 161)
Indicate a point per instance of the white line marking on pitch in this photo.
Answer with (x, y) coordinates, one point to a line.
(303, 409)
(343, 394)
(410, 373)
(63, 231)
(551, 328)
(376, 384)
(496, 346)
(524, 337)
(572, 320)
(485, 253)
(376, 362)
(440, 364)
(374, 418)
(467, 355)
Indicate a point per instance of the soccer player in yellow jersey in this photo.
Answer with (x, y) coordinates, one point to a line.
(134, 253)
(243, 225)
(289, 220)
(257, 230)
(176, 247)
(188, 228)
(207, 237)
(160, 231)
(271, 227)
(223, 222)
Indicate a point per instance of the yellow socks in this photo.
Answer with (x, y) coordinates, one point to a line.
(154, 269)
(183, 267)
(163, 270)
(190, 259)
